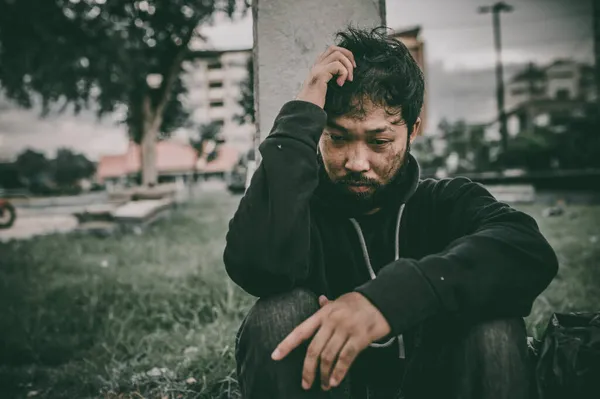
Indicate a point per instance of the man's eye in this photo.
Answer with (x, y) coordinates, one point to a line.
(336, 137)
(380, 142)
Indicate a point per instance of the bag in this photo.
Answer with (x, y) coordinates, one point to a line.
(568, 364)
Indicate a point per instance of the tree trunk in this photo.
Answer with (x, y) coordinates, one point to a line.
(148, 153)
(148, 144)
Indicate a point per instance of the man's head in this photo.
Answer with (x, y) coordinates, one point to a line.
(373, 119)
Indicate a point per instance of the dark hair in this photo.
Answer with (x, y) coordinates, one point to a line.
(386, 75)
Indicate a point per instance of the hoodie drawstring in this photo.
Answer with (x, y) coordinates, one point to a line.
(363, 244)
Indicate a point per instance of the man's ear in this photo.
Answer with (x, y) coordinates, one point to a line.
(415, 130)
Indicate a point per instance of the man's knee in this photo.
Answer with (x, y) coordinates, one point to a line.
(271, 319)
(494, 361)
(498, 341)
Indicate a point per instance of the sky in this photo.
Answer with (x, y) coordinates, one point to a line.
(459, 57)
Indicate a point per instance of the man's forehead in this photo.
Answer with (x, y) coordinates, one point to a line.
(373, 117)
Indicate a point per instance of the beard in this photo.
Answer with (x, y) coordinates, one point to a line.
(338, 192)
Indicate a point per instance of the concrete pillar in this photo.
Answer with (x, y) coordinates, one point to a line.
(288, 36)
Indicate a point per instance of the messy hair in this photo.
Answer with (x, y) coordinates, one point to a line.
(386, 75)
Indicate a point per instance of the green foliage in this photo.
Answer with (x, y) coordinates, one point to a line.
(530, 150)
(575, 146)
(207, 132)
(100, 52)
(574, 143)
(68, 167)
(467, 142)
(43, 176)
(31, 166)
(246, 101)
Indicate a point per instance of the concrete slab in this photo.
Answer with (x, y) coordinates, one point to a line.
(142, 212)
(28, 227)
(514, 193)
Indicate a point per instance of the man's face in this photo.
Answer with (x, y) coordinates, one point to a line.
(362, 155)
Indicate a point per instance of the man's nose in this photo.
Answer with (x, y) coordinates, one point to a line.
(357, 160)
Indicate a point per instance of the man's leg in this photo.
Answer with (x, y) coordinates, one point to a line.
(492, 361)
(484, 361)
(269, 321)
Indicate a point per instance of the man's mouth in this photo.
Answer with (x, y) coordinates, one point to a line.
(358, 187)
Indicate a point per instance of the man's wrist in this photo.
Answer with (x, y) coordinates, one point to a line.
(313, 93)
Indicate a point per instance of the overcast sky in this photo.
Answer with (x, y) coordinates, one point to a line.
(459, 54)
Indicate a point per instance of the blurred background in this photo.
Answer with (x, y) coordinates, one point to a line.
(127, 136)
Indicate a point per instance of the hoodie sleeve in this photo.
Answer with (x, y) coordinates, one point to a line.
(268, 242)
(495, 264)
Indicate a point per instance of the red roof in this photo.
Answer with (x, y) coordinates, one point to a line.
(170, 157)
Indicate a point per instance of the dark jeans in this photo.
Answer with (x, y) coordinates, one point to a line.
(483, 361)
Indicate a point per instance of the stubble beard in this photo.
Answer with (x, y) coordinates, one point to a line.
(363, 202)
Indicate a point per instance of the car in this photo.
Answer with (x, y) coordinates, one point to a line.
(7, 214)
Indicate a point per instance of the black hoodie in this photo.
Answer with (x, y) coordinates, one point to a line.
(457, 252)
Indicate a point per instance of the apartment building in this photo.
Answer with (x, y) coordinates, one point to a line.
(214, 80)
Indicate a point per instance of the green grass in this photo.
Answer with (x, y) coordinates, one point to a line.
(575, 236)
(87, 317)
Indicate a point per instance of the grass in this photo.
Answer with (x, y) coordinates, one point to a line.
(87, 317)
(137, 316)
(575, 237)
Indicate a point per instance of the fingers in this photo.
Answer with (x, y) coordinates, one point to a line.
(329, 356)
(332, 49)
(328, 60)
(323, 300)
(348, 354)
(335, 57)
(313, 354)
(300, 334)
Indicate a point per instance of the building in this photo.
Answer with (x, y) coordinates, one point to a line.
(529, 84)
(546, 97)
(411, 39)
(176, 162)
(214, 79)
(563, 80)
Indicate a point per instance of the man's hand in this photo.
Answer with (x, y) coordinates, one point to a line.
(335, 61)
(343, 328)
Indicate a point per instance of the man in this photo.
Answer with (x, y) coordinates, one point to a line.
(374, 283)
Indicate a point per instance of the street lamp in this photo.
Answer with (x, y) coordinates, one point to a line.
(496, 9)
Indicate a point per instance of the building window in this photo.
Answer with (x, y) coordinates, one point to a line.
(561, 75)
(236, 64)
(215, 84)
(215, 65)
(216, 103)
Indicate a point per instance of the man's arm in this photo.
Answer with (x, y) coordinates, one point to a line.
(269, 236)
(268, 244)
(496, 264)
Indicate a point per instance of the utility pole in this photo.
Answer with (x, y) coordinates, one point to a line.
(596, 18)
(496, 9)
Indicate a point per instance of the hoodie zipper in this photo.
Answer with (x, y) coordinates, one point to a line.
(363, 244)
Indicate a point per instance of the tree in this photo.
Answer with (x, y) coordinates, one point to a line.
(69, 168)
(105, 54)
(33, 167)
(532, 151)
(208, 132)
(246, 101)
